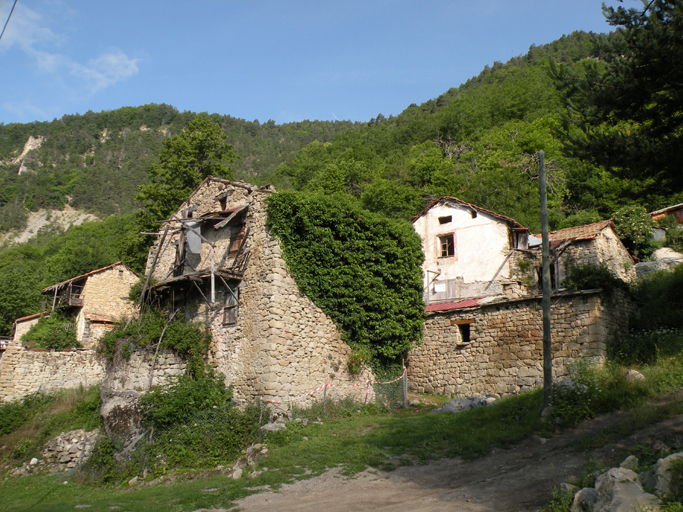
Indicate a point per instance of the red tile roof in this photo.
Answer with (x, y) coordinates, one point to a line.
(516, 225)
(29, 317)
(449, 306)
(87, 274)
(587, 232)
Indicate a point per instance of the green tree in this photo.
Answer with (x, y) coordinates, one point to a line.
(624, 110)
(198, 151)
(187, 159)
(635, 227)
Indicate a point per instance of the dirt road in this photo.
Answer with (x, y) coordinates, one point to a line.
(519, 479)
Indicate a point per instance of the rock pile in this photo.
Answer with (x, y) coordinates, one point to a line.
(70, 449)
(622, 489)
(462, 404)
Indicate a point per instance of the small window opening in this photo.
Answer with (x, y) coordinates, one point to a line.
(445, 220)
(231, 307)
(473, 213)
(553, 280)
(120, 273)
(464, 333)
(447, 245)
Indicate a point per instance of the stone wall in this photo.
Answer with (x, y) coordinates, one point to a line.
(27, 371)
(134, 374)
(505, 351)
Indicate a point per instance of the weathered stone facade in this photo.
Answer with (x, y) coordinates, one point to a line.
(504, 354)
(272, 342)
(27, 371)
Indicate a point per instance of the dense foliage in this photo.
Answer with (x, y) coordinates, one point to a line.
(188, 339)
(624, 110)
(96, 161)
(54, 332)
(361, 269)
(589, 276)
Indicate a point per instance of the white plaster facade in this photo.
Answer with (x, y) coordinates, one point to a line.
(481, 241)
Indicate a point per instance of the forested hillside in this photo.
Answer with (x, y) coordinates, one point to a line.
(96, 161)
(477, 142)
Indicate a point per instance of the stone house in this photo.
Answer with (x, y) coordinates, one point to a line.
(467, 250)
(596, 243)
(216, 261)
(95, 300)
(483, 332)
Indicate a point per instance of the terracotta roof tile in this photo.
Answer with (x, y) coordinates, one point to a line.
(449, 306)
(587, 232)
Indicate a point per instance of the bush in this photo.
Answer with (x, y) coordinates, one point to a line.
(14, 415)
(660, 297)
(182, 398)
(645, 346)
(188, 339)
(635, 226)
(54, 332)
(590, 391)
(589, 276)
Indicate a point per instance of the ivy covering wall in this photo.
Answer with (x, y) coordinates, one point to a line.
(361, 269)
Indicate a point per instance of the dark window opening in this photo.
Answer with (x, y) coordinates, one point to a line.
(445, 220)
(231, 307)
(447, 245)
(464, 333)
(473, 213)
(553, 280)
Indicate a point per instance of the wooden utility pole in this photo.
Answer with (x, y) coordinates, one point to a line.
(547, 345)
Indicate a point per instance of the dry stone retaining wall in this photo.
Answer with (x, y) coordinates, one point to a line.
(505, 351)
(28, 371)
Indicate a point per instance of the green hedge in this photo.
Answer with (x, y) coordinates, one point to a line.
(362, 269)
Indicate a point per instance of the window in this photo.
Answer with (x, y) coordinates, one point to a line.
(464, 329)
(231, 307)
(236, 238)
(445, 220)
(447, 245)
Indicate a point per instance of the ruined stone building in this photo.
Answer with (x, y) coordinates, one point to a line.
(597, 244)
(483, 332)
(216, 262)
(95, 301)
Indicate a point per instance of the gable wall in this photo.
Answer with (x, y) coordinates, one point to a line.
(481, 245)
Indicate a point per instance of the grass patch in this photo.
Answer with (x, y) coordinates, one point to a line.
(45, 417)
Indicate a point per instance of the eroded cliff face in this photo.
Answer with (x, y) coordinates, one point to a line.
(46, 219)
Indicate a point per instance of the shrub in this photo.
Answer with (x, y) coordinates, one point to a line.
(635, 226)
(589, 276)
(590, 391)
(54, 332)
(188, 339)
(13, 415)
(645, 346)
(660, 297)
(182, 397)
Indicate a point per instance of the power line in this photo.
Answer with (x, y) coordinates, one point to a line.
(8, 17)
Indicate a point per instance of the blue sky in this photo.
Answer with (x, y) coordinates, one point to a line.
(281, 60)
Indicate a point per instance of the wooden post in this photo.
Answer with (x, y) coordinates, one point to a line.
(405, 385)
(325, 401)
(547, 342)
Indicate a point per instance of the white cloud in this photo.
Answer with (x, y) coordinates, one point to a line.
(28, 31)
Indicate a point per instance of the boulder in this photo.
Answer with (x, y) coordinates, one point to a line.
(667, 475)
(270, 427)
(619, 490)
(461, 404)
(584, 500)
(121, 413)
(630, 462)
(634, 376)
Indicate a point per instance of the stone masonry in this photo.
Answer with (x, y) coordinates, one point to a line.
(281, 344)
(504, 354)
